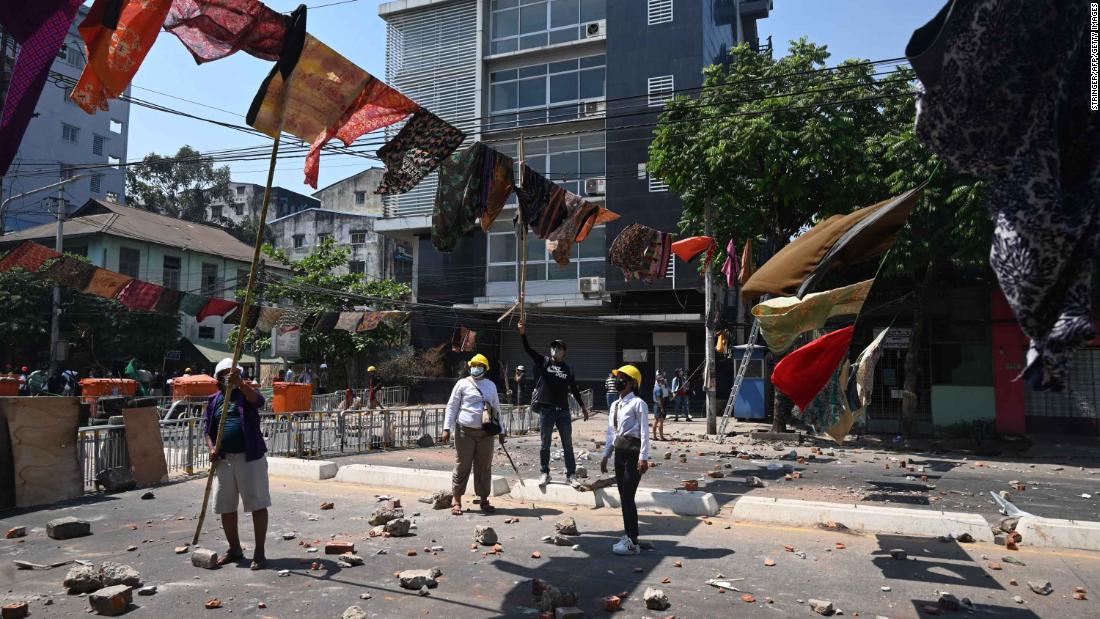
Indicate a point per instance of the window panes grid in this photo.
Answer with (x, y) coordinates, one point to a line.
(567, 160)
(129, 261)
(657, 185)
(358, 237)
(587, 258)
(659, 12)
(548, 92)
(170, 277)
(96, 183)
(529, 24)
(70, 133)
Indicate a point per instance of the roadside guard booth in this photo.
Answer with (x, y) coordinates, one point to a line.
(750, 402)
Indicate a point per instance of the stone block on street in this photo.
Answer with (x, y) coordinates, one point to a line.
(822, 607)
(354, 612)
(569, 612)
(111, 601)
(398, 528)
(415, 579)
(485, 535)
(567, 526)
(425, 440)
(204, 558)
(384, 514)
(82, 579)
(439, 499)
(655, 599)
(117, 574)
(68, 528)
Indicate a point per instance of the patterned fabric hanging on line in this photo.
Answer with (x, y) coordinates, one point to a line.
(29, 256)
(553, 214)
(292, 318)
(169, 302)
(70, 272)
(418, 149)
(641, 252)
(326, 322)
(687, 249)
(805, 372)
(117, 42)
(829, 408)
(234, 316)
(496, 187)
(139, 295)
(857, 395)
(783, 319)
(456, 197)
(581, 217)
(216, 307)
(39, 29)
(214, 29)
(730, 266)
(107, 284)
(269, 316)
(534, 195)
(192, 304)
(349, 321)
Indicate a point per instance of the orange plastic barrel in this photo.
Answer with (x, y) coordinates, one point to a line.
(197, 385)
(292, 397)
(9, 385)
(95, 387)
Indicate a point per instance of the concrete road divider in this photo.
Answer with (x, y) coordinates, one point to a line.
(301, 469)
(413, 479)
(679, 502)
(1054, 533)
(869, 518)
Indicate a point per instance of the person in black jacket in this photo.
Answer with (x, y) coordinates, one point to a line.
(553, 383)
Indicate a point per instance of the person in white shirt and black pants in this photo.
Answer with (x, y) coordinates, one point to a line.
(628, 438)
(471, 399)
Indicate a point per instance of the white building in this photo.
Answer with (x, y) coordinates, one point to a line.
(247, 202)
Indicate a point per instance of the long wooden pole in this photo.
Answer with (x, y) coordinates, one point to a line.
(238, 347)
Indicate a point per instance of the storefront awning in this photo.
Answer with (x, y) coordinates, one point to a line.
(214, 352)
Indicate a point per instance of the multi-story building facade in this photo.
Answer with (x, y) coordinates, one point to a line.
(346, 211)
(247, 199)
(580, 82)
(63, 140)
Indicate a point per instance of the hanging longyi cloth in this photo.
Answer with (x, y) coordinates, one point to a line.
(29, 256)
(326, 322)
(139, 295)
(805, 372)
(552, 215)
(783, 319)
(581, 217)
(348, 321)
(534, 195)
(857, 395)
(455, 211)
(730, 266)
(687, 249)
(292, 318)
(192, 304)
(39, 28)
(234, 316)
(116, 47)
(394, 318)
(214, 29)
(70, 272)
(748, 264)
(418, 149)
(269, 316)
(169, 302)
(215, 307)
(496, 188)
(369, 321)
(838, 241)
(106, 283)
(641, 252)
(829, 408)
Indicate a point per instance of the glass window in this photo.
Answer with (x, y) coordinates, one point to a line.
(593, 268)
(129, 261)
(557, 271)
(505, 24)
(532, 92)
(592, 84)
(504, 96)
(210, 285)
(563, 66)
(170, 275)
(70, 133)
(503, 273)
(358, 237)
(564, 166)
(564, 13)
(591, 10)
(502, 247)
(593, 246)
(592, 163)
(299, 241)
(533, 40)
(536, 248)
(357, 267)
(206, 333)
(563, 87)
(360, 197)
(532, 71)
(564, 35)
(532, 18)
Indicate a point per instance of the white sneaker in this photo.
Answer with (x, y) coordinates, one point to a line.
(625, 547)
(690, 418)
(571, 480)
(545, 479)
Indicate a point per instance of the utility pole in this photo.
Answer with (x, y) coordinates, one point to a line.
(709, 380)
(55, 312)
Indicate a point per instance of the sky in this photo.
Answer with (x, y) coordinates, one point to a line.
(869, 29)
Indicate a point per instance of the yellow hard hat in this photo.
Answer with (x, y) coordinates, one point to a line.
(372, 369)
(630, 371)
(478, 360)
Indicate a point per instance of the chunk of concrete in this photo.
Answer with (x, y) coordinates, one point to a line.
(204, 558)
(67, 528)
(118, 574)
(83, 579)
(310, 470)
(655, 599)
(415, 579)
(485, 535)
(111, 601)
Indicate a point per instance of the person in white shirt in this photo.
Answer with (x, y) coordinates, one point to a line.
(471, 399)
(628, 438)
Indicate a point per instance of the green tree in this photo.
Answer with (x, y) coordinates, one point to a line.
(317, 286)
(25, 321)
(184, 185)
(775, 145)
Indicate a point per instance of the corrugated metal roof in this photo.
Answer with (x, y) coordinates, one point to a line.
(103, 217)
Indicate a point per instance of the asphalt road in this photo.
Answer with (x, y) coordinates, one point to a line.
(478, 585)
(842, 474)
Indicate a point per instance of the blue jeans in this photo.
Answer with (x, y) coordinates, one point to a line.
(611, 399)
(549, 417)
(682, 405)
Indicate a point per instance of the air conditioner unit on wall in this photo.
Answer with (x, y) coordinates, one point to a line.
(595, 109)
(595, 186)
(595, 29)
(591, 285)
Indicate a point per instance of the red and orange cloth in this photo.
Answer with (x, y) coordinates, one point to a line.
(107, 283)
(213, 29)
(687, 249)
(29, 256)
(118, 34)
(327, 96)
(805, 372)
(139, 295)
(216, 307)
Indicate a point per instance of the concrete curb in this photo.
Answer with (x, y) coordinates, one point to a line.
(869, 518)
(313, 470)
(679, 502)
(413, 479)
(1055, 533)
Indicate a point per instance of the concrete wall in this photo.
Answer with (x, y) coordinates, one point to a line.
(342, 195)
(43, 151)
(953, 404)
(376, 251)
(249, 197)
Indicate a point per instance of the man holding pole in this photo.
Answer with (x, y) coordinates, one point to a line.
(241, 473)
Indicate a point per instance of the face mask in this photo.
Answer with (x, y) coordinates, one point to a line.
(557, 353)
(619, 384)
(477, 371)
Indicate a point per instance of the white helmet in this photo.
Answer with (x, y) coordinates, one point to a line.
(224, 365)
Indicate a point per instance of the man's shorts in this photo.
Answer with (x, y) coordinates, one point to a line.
(240, 481)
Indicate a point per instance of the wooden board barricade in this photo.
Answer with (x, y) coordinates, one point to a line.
(146, 446)
(42, 436)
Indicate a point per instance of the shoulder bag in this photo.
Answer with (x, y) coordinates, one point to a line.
(490, 416)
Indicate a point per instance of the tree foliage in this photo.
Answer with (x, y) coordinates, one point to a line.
(184, 185)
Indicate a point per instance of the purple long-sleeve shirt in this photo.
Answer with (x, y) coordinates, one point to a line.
(254, 445)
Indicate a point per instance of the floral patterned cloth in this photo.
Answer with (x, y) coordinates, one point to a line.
(29, 256)
(214, 29)
(456, 197)
(857, 390)
(139, 295)
(349, 321)
(581, 217)
(116, 50)
(292, 318)
(369, 321)
(1014, 109)
(418, 149)
(783, 319)
(641, 252)
(39, 28)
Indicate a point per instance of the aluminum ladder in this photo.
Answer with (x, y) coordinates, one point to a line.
(750, 346)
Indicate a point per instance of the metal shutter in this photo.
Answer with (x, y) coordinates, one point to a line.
(591, 348)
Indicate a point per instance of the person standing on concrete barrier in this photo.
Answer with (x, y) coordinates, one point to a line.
(628, 439)
(241, 474)
(554, 383)
(472, 411)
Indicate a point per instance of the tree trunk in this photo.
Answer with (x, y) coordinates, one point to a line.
(781, 411)
(910, 399)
